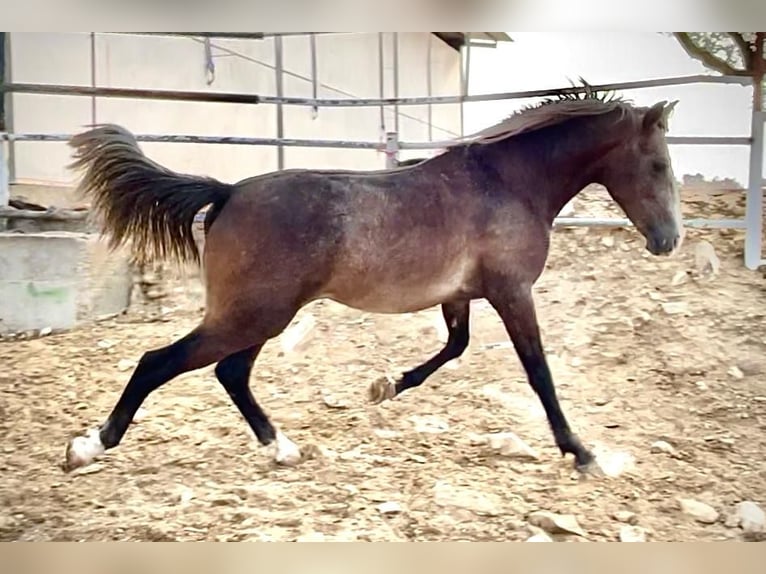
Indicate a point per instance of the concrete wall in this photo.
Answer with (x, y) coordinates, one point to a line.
(58, 280)
(347, 67)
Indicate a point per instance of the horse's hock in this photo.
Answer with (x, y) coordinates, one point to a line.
(57, 280)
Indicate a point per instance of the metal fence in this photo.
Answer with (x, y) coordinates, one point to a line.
(752, 222)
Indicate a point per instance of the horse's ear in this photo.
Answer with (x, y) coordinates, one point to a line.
(669, 110)
(654, 115)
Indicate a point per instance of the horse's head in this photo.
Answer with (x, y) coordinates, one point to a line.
(639, 176)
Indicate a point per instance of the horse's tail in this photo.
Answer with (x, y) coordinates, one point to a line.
(140, 200)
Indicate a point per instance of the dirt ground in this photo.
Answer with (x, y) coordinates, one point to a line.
(642, 349)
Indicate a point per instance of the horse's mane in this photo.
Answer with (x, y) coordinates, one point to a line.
(550, 112)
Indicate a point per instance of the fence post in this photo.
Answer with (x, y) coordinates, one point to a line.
(5, 192)
(278, 60)
(392, 150)
(754, 206)
(5, 189)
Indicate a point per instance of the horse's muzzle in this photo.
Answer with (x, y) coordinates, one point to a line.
(662, 242)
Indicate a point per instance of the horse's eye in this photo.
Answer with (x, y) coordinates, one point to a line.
(659, 166)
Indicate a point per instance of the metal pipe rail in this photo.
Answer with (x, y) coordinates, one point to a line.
(238, 98)
(243, 140)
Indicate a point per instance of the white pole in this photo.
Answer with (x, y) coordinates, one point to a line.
(392, 149)
(754, 207)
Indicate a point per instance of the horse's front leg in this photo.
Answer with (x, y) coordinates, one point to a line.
(515, 305)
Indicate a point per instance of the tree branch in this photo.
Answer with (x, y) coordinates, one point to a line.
(745, 48)
(708, 59)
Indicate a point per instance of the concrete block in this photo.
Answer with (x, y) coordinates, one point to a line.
(58, 280)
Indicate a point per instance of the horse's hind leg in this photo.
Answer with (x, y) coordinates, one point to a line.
(456, 316)
(200, 348)
(233, 373)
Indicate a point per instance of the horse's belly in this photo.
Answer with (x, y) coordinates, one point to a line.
(383, 294)
(397, 301)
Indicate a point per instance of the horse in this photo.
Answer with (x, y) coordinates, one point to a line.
(471, 223)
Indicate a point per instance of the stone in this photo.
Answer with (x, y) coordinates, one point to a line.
(750, 517)
(607, 241)
(540, 537)
(333, 402)
(125, 365)
(7, 522)
(288, 522)
(509, 444)
(697, 510)
(675, 308)
(679, 278)
(429, 424)
(662, 446)
(391, 507)
(610, 462)
(90, 469)
(735, 372)
(630, 533)
(626, 517)
(555, 523)
(186, 495)
(705, 259)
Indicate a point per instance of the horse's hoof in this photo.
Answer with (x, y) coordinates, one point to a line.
(82, 450)
(287, 452)
(381, 390)
(589, 467)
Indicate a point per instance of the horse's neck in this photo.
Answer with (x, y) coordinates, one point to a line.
(564, 160)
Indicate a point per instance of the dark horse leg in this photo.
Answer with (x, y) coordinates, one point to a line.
(234, 374)
(205, 345)
(456, 316)
(197, 349)
(517, 310)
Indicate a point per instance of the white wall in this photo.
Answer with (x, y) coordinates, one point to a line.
(347, 67)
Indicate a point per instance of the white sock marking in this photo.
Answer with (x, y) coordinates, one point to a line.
(287, 452)
(83, 449)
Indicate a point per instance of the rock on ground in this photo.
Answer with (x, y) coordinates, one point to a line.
(699, 511)
(750, 517)
(629, 533)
